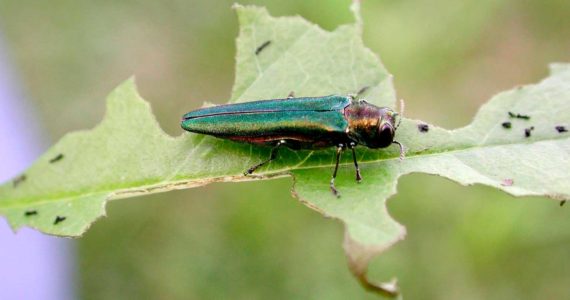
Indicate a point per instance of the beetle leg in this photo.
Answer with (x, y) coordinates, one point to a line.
(338, 152)
(402, 151)
(358, 177)
(272, 156)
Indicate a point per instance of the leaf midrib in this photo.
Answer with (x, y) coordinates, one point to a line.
(159, 186)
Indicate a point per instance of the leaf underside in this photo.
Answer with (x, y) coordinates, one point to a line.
(128, 154)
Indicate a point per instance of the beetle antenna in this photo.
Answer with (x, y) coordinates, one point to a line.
(402, 151)
(402, 107)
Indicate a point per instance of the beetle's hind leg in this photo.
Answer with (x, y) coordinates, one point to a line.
(338, 152)
(272, 156)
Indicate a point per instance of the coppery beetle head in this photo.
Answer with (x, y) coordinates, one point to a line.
(370, 125)
(386, 128)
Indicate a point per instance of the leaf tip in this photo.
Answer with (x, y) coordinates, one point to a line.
(123, 91)
(359, 257)
(355, 9)
(249, 13)
(557, 68)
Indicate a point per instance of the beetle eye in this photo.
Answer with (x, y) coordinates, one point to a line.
(385, 136)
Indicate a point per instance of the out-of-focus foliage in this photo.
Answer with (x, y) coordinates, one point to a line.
(250, 240)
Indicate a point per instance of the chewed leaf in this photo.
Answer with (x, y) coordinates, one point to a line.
(76, 176)
(305, 59)
(484, 152)
(128, 154)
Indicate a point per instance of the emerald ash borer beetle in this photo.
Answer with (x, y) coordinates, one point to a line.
(300, 123)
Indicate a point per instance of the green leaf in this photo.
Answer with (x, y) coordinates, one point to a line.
(128, 154)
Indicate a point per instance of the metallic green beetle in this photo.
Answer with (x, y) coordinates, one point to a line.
(300, 123)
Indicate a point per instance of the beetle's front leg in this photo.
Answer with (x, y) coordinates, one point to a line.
(338, 152)
(272, 156)
(402, 151)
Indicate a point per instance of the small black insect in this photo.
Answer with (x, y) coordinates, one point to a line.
(423, 127)
(263, 46)
(527, 131)
(506, 125)
(58, 220)
(56, 159)
(29, 213)
(19, 180)
(562, 202)
(561, 129)
(518, 116)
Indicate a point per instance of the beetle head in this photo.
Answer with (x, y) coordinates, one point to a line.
(386, 128)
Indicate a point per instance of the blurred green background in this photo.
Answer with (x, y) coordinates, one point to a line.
(253, 240)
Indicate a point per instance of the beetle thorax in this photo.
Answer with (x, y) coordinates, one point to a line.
(363, 121)
(370, 125)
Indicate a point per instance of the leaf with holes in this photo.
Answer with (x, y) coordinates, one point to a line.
(128, 154)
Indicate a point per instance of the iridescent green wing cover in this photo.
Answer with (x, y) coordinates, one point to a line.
(316, 120)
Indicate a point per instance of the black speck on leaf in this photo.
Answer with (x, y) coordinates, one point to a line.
(527, 131)
(56, 158)
(561, 129)
(562, 202)
(261, 47)
(519, 116)
(58, 220)
(18, 180)
(506, 125)
(29, 213)
(423, 127)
